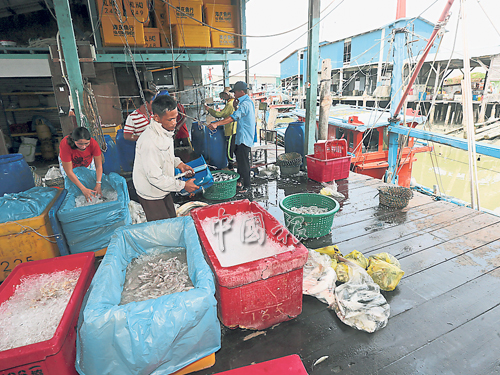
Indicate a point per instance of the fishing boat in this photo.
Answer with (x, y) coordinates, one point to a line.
(366, 132)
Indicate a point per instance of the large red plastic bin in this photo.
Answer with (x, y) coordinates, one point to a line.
(328, 170)
(332, 149)
(260, 293)
(289, 365)
(57, 355)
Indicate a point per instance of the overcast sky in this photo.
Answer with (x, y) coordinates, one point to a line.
(266, 17)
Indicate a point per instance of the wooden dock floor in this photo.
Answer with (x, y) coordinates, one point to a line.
(445, 314)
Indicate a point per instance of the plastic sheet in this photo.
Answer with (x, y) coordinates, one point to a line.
(359, 303)
(89, 228)
(26, 204)
(157, 336)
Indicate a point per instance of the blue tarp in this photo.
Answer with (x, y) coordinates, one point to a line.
(89, 228)
(157, 336)
(26, 204)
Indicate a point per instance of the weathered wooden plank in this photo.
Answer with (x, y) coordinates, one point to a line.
(409, 331)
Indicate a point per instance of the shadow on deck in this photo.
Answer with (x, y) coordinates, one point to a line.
(445, 312)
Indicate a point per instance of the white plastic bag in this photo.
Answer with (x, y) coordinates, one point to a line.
(53, 172)
(330, 189)
(27, 148)
(319, 277)
(358, 302)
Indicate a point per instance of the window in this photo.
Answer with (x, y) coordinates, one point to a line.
(347, 51)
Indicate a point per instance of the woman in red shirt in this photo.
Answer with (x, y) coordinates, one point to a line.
(81, 150)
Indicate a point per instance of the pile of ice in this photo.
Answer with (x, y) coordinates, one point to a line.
(33, 313)
(156, 274)
(242, 238)
(108, 195)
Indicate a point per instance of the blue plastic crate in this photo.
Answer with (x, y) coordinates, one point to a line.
(202, 178)
(56, 225)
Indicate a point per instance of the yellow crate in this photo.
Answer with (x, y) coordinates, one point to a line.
(137, 9)
(27, 240)
(113, 35)
(200, 364)
(191, 36)
(111, 130)
(221, 16)
(152, 37)
(107, 7)
(224, 40)
(193, 8)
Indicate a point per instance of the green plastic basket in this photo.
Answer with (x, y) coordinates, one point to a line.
(309, 225)
(223, 189)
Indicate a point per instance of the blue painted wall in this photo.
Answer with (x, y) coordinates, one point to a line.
(365, 48)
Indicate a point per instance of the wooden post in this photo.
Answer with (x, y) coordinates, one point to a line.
(447, 118)
(325, 101)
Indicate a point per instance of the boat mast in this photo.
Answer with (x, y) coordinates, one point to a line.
(397, 83)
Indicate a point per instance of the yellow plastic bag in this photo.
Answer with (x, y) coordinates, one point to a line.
(386, 275)
(334, 263)
(357, 258)
(330, 250)
(386, 257)
(342, 271)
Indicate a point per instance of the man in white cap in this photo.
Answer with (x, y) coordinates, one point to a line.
(229, 129)
(245, 131)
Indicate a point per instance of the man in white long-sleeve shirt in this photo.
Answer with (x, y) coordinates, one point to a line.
(154, 164)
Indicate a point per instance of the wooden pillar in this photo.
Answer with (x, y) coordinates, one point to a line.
(325, 101)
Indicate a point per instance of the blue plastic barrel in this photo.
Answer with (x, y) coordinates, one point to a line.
(294, 138)
(15, 174)
(111, 157)
(198, 138)
(216, 147)
(126, 151)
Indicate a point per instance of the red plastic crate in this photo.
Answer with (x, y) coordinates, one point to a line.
(332, 149)
(289, 365)
(57, 355)
(328, 170)
(260, 293)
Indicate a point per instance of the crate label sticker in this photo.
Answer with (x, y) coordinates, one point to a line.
(108, 7)
(223, 16)
(118, 31)
(188, 10)
(226, 40)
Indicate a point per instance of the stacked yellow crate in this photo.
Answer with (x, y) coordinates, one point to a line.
(113, 32)
(152, 37)
(186, 30)
(223, 17)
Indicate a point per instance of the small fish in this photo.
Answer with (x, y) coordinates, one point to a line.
(324, 358)
(255, 334)
(311, 210)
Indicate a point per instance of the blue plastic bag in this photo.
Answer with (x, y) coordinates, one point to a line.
(26, 204)
(203, 178)
(89, 228)
(157, 336)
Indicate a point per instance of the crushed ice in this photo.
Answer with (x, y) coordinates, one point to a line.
(108, 195)
(33, 313)
(311, 210)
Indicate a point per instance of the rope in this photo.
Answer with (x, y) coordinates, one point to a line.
(26, 230)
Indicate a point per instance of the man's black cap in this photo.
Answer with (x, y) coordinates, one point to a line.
(239, 86)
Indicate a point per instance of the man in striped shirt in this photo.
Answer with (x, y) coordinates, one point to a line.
(138, 120)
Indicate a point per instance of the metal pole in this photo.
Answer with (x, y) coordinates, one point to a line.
(72, 62)
(325, 101)
(312, 75)
(225, 73)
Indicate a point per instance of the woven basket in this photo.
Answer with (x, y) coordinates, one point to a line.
(394, 196)
(309, 225)
(223, 189)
